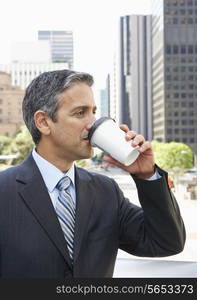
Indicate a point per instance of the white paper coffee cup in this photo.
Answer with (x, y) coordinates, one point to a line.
(107, 136)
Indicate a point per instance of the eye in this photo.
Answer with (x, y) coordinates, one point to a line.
(79, 113)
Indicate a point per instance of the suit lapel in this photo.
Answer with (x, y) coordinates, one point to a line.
(84, 206)
(34, 193)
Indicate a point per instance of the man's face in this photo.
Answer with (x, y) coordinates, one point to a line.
(75, 117)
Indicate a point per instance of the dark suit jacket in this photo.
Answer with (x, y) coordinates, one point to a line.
(31, 240)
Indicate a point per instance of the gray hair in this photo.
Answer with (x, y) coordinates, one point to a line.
(43, 94)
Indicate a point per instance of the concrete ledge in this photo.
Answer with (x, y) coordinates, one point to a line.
(129, 268)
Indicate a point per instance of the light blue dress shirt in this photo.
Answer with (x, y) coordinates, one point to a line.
(52, 175)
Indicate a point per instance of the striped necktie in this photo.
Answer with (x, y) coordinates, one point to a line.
(65, 209)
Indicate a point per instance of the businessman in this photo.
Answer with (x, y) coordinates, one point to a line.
(57, 220)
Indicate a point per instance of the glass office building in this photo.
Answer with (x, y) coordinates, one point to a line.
(174, 71)
(135, 73)
(61, 43)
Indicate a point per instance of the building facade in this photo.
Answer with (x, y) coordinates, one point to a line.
(61, 43)
(23, 73)
(105, 99)
(174, 75)
(10, 106)
(135, 73)
(114, 89)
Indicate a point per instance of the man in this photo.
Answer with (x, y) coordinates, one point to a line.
(49, 228)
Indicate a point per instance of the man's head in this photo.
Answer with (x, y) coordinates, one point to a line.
(58, 108)
(43, 93)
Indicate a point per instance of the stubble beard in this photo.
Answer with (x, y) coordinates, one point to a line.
(86, 154)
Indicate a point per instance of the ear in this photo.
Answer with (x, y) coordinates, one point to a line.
(41, 120)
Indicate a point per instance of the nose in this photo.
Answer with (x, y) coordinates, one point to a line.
(90, 122)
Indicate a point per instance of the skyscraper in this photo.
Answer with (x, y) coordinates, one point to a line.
(135, 70)
(61, 43)
(105, 99)
(174, 71)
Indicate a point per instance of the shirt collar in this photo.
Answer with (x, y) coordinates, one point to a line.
(51, 175)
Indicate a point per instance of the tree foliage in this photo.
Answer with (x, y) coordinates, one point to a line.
(20, 145)
(172, 155)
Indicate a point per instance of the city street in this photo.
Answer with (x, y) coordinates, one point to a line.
(180, 265)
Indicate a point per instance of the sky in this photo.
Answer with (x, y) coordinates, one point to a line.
(93, 22)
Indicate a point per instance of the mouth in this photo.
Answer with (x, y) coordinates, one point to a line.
(85, 139)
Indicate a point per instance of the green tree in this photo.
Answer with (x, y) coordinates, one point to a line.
(21, 145)
(5, 143)
(172, 155)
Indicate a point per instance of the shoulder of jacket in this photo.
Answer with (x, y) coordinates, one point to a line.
(9, 172)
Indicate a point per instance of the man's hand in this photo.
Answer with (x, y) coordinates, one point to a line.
(143, 167)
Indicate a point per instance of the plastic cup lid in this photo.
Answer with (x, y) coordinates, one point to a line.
(96, 124)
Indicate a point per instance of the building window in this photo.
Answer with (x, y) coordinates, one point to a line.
(191, 131)
(190, 49)
(169, 122)
(191, 104)
(191, 113)
(183, 49)
(168, 49)
(168, 77)
(175, 49)
(191, 96)
(191, 77)
(175, 20)
(190, 2)
(169, 131)
(183, 104)
(184, 131)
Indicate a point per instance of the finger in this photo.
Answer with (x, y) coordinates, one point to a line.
(138, 140)
(130, 134)
(145, 146)
(124, 127)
